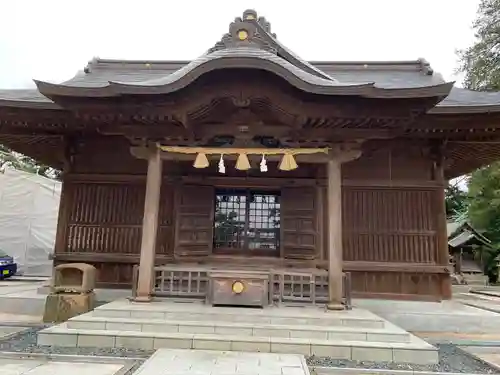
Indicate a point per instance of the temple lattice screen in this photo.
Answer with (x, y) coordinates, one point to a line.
(107, 218)
(404, 229)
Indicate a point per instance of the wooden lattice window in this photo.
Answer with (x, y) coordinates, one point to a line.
(247, 221)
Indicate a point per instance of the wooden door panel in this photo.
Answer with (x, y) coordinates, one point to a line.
(299, 223)
(194, 220)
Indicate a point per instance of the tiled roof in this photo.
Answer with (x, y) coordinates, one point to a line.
(384, 75)
(260, 49)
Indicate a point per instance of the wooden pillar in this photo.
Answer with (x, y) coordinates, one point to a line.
(334, 235)
(458, 261)
(320, 217)
(442, 256)
(149, 227)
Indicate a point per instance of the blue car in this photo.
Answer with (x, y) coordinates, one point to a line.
(8, 267)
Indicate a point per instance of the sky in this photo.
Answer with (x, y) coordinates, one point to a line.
(53, 39)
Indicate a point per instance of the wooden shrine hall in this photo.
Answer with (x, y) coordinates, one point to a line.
(250, 159)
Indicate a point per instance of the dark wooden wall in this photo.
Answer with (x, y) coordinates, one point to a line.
(392, 218)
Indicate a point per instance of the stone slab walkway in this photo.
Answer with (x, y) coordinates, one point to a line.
(207, 362)
(447, 316)
(10, 366)
(40, 364)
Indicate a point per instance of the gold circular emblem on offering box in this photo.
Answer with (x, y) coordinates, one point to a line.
(242, 34)
(238, 287)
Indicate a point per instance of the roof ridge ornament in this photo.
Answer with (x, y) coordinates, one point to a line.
(243, 32)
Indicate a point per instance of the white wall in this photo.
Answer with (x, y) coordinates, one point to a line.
(29, 206)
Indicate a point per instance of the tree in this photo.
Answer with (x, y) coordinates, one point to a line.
(481, 65)
(12, 159)
(484, 200)
(484, 213)
(481, 61)
(456, 201)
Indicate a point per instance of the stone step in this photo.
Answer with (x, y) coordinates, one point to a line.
(468, 296)
(200, 312)
(486, 293)
(415, 351)
(388, 334)
(480, 297)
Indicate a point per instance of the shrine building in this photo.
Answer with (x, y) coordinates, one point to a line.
(251, 158)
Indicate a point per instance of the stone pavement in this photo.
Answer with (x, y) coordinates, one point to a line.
(21, 297)
(27, 297)
(206, 362)
(29, 366)
(447, 316)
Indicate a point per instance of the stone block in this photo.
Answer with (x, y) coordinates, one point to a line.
(196, 329)
(162, 328)
(173, 343)
(233, 331)
(372, 354)
(147, 314)
(61, 307)
(271, 332)
(387, 337)
(332, 351)
(97, 341)
(134, 342)
(306, 334)
(123, 326)
(251, 346)
(421, 357)
(51, 339)
(86, 324)
(347, 336)
(291, 348)
(211, 344)
(74, 277)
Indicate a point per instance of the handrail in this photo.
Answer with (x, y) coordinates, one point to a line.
(192, 281)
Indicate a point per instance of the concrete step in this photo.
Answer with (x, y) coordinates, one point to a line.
(487, 293)
(415, 351)
(468, 297)
(199, 312)
(482, 297)
(388, 334)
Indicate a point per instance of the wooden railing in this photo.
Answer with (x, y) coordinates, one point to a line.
(287, 286)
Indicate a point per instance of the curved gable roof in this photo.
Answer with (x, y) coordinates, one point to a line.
(262, 50)
(248, 44)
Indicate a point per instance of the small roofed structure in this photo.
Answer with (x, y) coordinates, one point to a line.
(463, 240)
(327, 166)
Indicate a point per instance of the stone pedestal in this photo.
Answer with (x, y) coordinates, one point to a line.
(72, 292)
(60, 307)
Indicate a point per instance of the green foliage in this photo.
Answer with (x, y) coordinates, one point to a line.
(481, 61)
(24, 163)
(456, 201)
(227, 228)
(484, 200)
(481, 65)
(484, 214)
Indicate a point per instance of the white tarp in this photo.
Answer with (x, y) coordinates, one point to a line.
(29, 206)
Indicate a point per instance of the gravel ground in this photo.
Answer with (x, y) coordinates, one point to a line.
(451, 358)
(25, 342)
